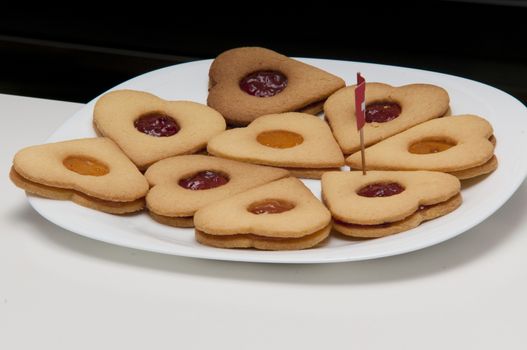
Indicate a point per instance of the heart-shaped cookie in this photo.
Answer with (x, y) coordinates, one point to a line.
(183, 184)
(248, 82)
(148, 128)
(281, 215)
(461, 145)
(389, 110)
(91, 172)
(300, 142)
(381, 203)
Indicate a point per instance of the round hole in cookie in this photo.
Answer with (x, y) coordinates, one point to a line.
(85, 166)
(431, 145)
(279, 139)
(270, 206)
(204, 180)
(380, 189)
(156, 123)
(382, 111)
(265, 83)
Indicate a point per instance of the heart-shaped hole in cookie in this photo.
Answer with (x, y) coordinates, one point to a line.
(382, 111)
(266, 83)
(204, 180)
(381, 189)
(85, 166)
(279, 139)
(431, 145)
(270, 206)
(157, 124)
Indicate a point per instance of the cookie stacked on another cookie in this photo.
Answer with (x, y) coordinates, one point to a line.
(248, 82)
(91, 172)
(389, 111)
(182, 185)
(148, 128)
(460, 145)
(281, 215)
(382, 203)
(299, 142)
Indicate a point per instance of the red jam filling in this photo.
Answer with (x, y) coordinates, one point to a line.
(264, 83)
(204, 180)
(270, 206)
(380, 190)
(382, 112)
(157, 124)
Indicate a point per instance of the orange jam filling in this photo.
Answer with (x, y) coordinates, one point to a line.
(85, 166)
(270, 206)
(279, 139)
(431, 146)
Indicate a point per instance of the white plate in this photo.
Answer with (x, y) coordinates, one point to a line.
(189, 82)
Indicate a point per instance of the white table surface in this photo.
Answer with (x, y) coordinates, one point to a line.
(59, 290)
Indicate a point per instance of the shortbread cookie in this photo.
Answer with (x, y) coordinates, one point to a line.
(382, 203)
(148, 128)
(248, 82)
(91, 172)
(281, 215)
(183, 184)
(299, 142)
(389, 110)
(461, 145)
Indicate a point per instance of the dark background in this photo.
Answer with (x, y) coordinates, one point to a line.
(77, 54)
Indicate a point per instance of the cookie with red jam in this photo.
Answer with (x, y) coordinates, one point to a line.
(149, 128)
(389, 111)
(383, 203)
(248, 82)
(181, 185)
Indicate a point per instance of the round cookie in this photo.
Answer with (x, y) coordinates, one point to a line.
(280, 215)
(181, 185)
(91, 172)
(389, 110)
(461, 145)
(248, 82)
(148, 128)
(300, 142)
(381, 203)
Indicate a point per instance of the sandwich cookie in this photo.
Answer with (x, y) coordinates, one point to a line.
(148, 128)
(181, 185)
(91, 172)
(299, 142)
(389, 111)
(460, 145)
(248, 82)
(281, 215)
(382, 203)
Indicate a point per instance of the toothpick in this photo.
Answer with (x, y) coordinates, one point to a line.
(362, 151)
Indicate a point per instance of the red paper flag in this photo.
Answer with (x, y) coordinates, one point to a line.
(360, 106)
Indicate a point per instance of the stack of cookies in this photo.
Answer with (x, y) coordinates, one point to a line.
(230, 168)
